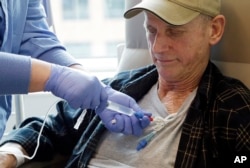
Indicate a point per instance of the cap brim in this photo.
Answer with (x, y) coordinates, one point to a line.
(166, 10)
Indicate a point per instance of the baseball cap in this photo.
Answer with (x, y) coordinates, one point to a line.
(176, 12)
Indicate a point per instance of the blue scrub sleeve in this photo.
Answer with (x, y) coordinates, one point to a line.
(15, 73)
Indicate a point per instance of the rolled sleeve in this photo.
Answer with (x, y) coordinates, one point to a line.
(15, 74)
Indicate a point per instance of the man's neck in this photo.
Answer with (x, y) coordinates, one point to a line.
(173, 94)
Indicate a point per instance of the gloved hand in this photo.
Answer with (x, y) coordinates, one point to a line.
(121, 123)
(78, 88)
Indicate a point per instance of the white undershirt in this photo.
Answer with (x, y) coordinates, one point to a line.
(118, 150)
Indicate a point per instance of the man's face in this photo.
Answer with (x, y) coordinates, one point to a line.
(179, 52)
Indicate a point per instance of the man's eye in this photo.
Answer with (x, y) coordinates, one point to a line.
(151, 30)
(172, 32)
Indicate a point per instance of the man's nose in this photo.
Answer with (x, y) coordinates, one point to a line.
(161, 43)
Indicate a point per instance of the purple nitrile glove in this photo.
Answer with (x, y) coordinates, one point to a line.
(121, 123)
(79, 88)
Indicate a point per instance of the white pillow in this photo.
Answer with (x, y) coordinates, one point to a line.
(132, 58)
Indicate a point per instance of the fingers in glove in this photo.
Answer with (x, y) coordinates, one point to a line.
(116, 124)
(128, 125)
(144, 122)
(136, 125)
(103, 102)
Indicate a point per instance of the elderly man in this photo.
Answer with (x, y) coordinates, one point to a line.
(201, 118)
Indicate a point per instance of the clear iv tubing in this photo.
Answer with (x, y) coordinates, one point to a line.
(111, 105)
(38, 138)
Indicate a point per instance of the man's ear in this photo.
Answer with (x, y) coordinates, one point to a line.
(217, 29)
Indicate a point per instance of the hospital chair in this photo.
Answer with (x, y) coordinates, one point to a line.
(231, 55)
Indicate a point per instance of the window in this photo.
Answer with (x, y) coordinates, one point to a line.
(75, 9)
(111, 48)
(114, 8)
(78, 50)
(90, 29)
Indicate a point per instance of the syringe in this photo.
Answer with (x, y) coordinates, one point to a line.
(120, 108)
(124, 110)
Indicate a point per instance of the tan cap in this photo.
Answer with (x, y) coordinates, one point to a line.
(176, 12)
